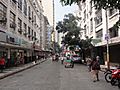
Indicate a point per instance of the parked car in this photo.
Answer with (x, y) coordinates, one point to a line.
(76, 59)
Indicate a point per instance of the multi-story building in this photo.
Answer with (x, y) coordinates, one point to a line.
(99, 24)
(48, 6)
(20, 28)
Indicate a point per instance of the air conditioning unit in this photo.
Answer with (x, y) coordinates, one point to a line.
(3, 19)
(24, 32)
(14, 1)
(19, 30)
(30, 18)
(33, 3)
(29, 35)
(12, 25)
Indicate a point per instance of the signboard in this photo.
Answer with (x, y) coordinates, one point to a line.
(107, 37)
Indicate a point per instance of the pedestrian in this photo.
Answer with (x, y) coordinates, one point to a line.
(88, 61)
(62, 59)
(2, 63)
(95, 66)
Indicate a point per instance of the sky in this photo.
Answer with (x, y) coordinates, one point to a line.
(60, 10)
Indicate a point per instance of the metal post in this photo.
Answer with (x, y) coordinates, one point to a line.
(107, 38)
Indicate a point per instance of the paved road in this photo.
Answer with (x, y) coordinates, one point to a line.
(53, 76)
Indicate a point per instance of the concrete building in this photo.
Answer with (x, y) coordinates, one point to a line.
(48, 6)
(99, 24)
(20, 29)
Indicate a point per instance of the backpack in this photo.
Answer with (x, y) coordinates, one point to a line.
(95, 65)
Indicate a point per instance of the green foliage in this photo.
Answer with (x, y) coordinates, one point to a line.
(107, 4)
(57, 47)
(69, 27)
(70, 2)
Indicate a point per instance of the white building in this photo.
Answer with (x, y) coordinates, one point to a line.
(95, 23)
(20, 28)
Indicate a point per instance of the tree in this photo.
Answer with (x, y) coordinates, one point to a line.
(70, 2)
(99, 4)
(107, 4)
(69, 27)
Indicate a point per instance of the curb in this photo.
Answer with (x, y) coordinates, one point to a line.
(20, 70)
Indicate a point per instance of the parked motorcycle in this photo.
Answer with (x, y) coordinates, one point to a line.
(115, 79)
(108, 75)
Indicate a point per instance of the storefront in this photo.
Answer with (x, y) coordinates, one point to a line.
(114, 50)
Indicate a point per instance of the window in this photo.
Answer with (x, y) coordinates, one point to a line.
(84, 15)
(29, 13)
(90, 5)
(35, 36)
(112, 11)
(20, 26)
(25, 7)
(3, 12)
(32, 35)
(29, 33)
(99, 34)
(25, 30)
(35, 19)
(12, 20)
(14, 1)
(32, 17)
(98, 18)
(85, 29)
(113, 32)
(91, 25)
(20, 4)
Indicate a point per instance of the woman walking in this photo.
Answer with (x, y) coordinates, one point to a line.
(95, 66)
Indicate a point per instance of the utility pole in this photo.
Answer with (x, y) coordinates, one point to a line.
(107, 38)
(53, 32)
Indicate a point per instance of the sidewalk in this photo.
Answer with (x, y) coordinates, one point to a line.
(13, 70)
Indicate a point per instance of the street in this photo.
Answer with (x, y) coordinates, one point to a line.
(53, 76)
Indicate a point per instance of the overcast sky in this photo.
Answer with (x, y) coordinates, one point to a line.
(60, 10)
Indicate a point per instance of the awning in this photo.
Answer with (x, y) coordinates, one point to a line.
(13, 46)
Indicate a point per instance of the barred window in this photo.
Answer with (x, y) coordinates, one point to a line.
(20, 4)
(3, 13)
(99, 34)
(98, 18)
(12, 20)
(19, 25)
(25, 7)
(112, 11)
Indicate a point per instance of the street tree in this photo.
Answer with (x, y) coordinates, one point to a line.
(99, 4)
(72, 36)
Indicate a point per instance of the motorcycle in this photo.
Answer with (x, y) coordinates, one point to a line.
(115, 78)
(108, 75)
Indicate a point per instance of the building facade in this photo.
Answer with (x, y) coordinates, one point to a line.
(99, 24)
(20, 29)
